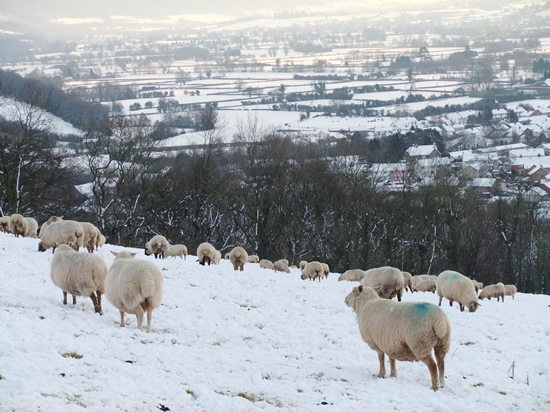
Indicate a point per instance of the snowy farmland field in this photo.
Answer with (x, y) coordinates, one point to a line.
(248, 341)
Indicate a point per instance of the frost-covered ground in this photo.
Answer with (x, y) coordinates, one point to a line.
(248, 341)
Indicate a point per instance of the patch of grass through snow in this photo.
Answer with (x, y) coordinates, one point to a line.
(73, 355)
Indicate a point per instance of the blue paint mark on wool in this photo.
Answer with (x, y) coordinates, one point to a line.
(422, 309)
(455, 276)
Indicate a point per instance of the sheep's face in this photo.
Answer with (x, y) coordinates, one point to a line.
(41, 248)
(472, 307)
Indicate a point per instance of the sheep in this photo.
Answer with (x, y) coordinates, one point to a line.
(407, 277)
(226, 256)
(455, 286)
(91, 236)
(266, 264)
(390, 280)
(352, 275)
(510, 290)
(100, 242)
(404, 331)
(326, 270)
(280, 266)
(66, 232)
(285, 261)
(238, 257)
(312, 271)
(177, 250)
(33, 227)
(79, 274)
(52, 219)
(158, 245)
(206, 253)
(426, 285)
(5, 224)
(134, 286)
(253, 259)
(217, 257)
(302, 264)
(493, 291)
(18, 225)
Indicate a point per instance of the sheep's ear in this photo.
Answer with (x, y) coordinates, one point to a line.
(133, 254)
(360, 288)
(114, 253)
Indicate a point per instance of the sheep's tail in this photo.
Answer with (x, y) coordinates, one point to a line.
(441, 327)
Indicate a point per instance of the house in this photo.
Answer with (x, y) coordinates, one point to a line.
(537, 173)
(422, 152)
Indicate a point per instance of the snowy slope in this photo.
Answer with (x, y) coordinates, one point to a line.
(248, 341)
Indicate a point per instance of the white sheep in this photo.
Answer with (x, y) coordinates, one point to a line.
(79, 274)
(302, 264)
(266, 264)
(352, 275)
(426, 285)
(206, 253)
(134, 286)
(33, 227)
(68, 232)
(217, 257)
(510, 290)
(457, 287)
(313, 270)
(158, 245)
(253, 259)
(387, 280)
(326, 270)
(404, 331)
(493, 291)
(18, 225)
(280, 266)
(5, 224)
(91, 236)
(100, 242)
(238, 258)
(177, 250)
(52, 219)
(407, 277)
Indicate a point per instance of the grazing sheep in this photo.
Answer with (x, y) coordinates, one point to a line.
(266, 264)
(352, 275)
(510, 290)
(407, 277)
(5, 224)
(52, 219)
(313, 270)
(238, 258)
(253, 259)
(18, 225)
(33, 227)
(387, 280)
(326, 270)
(302, 264)
(280, 266)
(100, 242)
(493, 291)
(285, 261)
(79, 274)
(455, 286)
(177, 250)
(217, 257)
(404, 331)
(158, 245)
(206, 253)
(479, 285)
(67, 232)
(426, 285)
(134, 286)
(91, 236)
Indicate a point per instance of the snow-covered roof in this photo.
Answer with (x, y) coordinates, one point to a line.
(526, 153)
(483, 182)
(423, 150)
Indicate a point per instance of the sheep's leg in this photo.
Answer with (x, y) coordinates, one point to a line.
(440, 359)
(149, 317)
(64, 297)
(461, 307)
(122, 319)
(97, 303)
(451, 302)
(139, 315)
(74, 300)
(429, 361)
(393, 369)
(382, 372)
(440, 299)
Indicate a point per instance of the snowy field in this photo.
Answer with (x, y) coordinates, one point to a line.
(248, 341)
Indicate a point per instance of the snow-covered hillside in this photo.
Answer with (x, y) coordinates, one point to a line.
(252, 340)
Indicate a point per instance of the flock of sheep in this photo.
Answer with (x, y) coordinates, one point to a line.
(402, 331)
